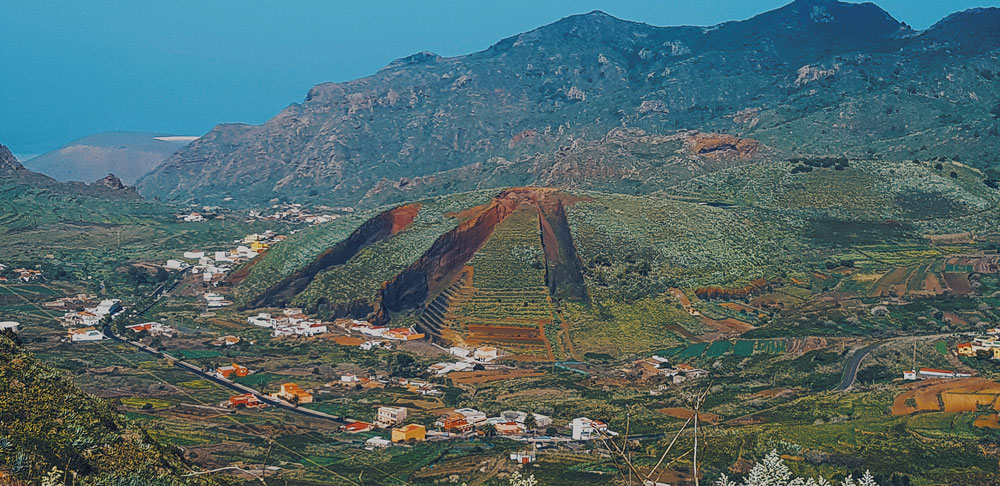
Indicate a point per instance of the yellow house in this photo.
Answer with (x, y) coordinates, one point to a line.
(291, 392)
(258, 246)
(409, 432)
(996, 353)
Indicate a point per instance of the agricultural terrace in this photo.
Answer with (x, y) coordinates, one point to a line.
(507, 302)
(866, 190)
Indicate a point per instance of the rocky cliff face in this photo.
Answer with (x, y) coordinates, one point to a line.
(592, 101)
(7, 160)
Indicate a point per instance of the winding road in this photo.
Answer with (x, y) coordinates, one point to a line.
(851, 369)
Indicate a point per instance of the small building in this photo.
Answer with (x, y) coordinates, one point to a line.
(194, 255)
(472, 416)
(391, 415)
(292, 392)
(454, 422)
(86, 334)
(261, 320)
(587, 429)
(175, 265)
(485, 353)
(936, 373)
(408, 433)
(526, 457)
(226, 341)
(232, 371)
(377, 442)
(966, 349)
(12, 325)
(246, 400)
(356, 427)
(508, 428)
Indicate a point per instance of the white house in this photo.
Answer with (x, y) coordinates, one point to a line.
(12, 325)
(378, 442)
(391, 415)
(472, 416)
(92, 335)
(175, 265)
(261, 320)
(587, 429)
(460, 352)
(194, 255)
(485, 353)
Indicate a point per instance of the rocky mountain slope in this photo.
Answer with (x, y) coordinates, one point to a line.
(596, 102)
(8, 163)
(17, 177)
(130, 155)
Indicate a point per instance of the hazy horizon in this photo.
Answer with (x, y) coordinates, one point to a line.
(183, 67)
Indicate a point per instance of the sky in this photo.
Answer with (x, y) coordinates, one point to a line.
(72, 68)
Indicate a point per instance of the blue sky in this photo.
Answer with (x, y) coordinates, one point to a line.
(74, 68)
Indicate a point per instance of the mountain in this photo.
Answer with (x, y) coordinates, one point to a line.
(592, 101)
(8, 162)
(29, 199)
(128, 154)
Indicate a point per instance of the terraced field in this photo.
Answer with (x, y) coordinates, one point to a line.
(505, 301)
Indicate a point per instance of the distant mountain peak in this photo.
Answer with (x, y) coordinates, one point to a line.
(111, 181)
(7, 160)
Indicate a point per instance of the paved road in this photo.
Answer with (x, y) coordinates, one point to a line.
(851, 369)
(226, 383)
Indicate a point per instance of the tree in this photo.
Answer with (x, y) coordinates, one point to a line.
(773, 472)
(489, 430)
(530, 423)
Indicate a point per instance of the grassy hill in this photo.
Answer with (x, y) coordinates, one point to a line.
(475, 253)
(49, 423)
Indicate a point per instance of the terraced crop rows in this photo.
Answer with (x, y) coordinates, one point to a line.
(506, 301)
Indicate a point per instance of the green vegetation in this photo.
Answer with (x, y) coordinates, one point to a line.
(49, 423)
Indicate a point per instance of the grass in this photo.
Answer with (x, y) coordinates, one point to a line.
(718, 348)
(743, 348)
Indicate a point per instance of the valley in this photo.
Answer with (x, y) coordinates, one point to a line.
(599, 252)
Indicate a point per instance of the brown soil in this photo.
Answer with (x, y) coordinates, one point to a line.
(892, 283)
(958, 283)
(991, 421)
(348, 341)
(684, 413)
(728, 326)
(962, 395)
(476, 377)
(933, 284)
(402, 216)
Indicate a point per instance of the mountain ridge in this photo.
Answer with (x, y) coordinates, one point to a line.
(791, 78)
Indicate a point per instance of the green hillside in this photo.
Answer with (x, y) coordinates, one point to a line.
(49, 423)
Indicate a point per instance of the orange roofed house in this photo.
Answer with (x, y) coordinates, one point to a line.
(292, 392)
(232, 371)
(247, 400)
(412, 432)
